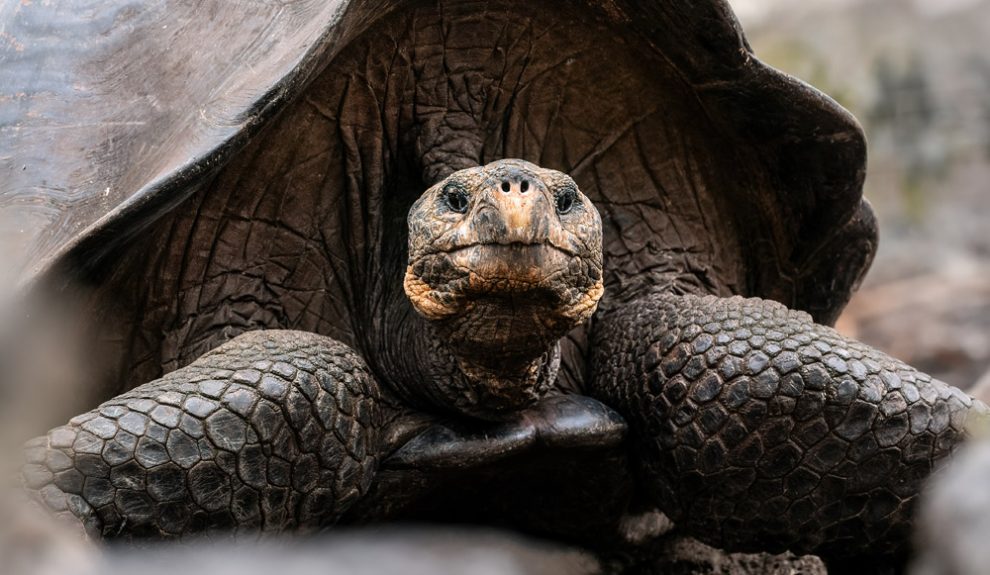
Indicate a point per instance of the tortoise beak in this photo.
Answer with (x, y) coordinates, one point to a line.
(525, 213)
(517, 210)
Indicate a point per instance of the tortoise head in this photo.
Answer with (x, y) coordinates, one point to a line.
(504, 259)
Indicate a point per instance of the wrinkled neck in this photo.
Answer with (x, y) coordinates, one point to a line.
(471, 384)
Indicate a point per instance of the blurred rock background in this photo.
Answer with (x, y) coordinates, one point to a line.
(917, 75)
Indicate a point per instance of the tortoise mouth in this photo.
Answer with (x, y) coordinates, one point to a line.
(512, 267)
(510, 246)
(536, 280)
(505, 249)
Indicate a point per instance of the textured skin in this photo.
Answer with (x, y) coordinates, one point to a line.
(271, 431)
(759, 429)
(504, 260)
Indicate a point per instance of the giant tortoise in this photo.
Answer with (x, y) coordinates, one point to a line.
(538, 265)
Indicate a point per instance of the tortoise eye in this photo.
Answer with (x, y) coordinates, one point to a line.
(455, 198)
(566, 199)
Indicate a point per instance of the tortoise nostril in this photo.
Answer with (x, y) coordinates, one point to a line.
(515, 183)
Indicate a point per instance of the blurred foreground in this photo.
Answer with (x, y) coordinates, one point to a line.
(32, 545)
(408, 550)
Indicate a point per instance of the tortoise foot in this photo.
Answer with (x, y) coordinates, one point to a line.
(760, 430)
(273, 430)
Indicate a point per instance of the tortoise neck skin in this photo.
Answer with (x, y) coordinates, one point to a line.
(504, 259)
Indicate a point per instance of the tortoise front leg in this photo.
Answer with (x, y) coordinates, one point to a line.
(760, 430)
(270, 431)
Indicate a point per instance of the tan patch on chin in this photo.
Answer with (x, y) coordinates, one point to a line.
(586, 306)
(423, 297)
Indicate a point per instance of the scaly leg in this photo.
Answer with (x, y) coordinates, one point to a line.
(273, 430)
(760, 430)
